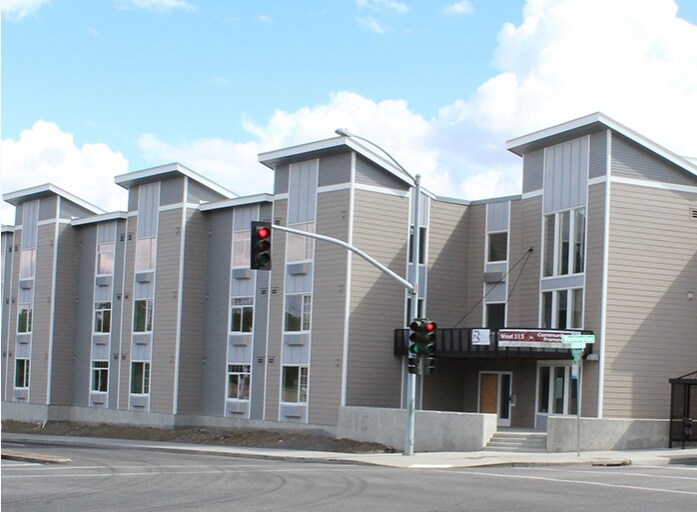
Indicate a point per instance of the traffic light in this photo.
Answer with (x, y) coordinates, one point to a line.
(261, 246)
(413, 364)
(422, 340)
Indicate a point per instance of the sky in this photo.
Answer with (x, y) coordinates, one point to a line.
(94, 89)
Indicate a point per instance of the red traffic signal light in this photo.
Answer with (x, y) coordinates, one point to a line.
(261, 246)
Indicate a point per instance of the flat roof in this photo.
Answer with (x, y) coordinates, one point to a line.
(45, 190)
(237, 201)
(99, 218)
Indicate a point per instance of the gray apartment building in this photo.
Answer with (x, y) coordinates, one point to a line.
(153, 314)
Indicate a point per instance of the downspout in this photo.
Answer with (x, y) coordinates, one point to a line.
(606, 253)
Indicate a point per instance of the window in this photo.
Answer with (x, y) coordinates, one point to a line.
(238, 381)
(301, 248)
(496, 316)
(102, 317)
(142, 315)
(298, 312)
(140, 378)
(241, 247)
(100, 375)
(22, 373)
(27, 264)
(497, 247)
(295, 384)
(24, 318)
(145, 254)
(564, 243)
(562, 309)
(422, 244)
(242, 315)
(105, 258)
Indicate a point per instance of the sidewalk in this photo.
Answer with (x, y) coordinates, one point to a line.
(430, 460)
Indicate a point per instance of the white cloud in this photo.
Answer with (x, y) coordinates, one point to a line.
(156, 5)
(569, 58)
(15, 10)
(46, 154)
(381, 5)
(462, 8)
(370, 24)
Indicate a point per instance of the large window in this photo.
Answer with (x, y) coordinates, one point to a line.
(298, 308)
(497, 247)
(423, 235)
(242, 314)
(238, 381)
(142, 315)
(105, 258)
(24, 318)
(102, 317)
(496, 316)
(140, 378)
(100, 376)
(564, 243)
(241, 248)
(27, 264)
(301, 248)
(145, 254)
(22, 373)
(295, 384)
(562, 309)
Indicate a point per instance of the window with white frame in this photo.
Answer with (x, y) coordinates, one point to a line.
(100, 376)
(238, 381)
(564, 243)
(102, 317)
(298, 310)
(301, 248)
(496, 315)
(242, 246)
(105, 259)
(423, 236)
(145, 254)
(562, 309)
(140, 378)
(22, 373)
(295, 384)
(242, 314)
(142, 315)
(497, 247)
(24, 318)
(27, 264)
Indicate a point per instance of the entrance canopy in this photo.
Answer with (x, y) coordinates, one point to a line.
(523, 343)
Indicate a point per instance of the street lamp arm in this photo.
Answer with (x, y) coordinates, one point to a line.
(346, 133)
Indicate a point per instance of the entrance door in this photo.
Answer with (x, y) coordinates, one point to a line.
(495, 392)
(556, 392)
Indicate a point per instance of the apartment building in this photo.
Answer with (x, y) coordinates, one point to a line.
(154, 313)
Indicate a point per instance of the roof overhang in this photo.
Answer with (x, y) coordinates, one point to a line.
(272, 159)
(99, 218)
(585, 125)
(237, 201)
(47, 190)
(134, 178)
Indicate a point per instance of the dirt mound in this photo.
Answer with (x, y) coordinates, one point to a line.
(211, 436)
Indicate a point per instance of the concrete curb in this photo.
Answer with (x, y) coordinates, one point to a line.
(39, 458)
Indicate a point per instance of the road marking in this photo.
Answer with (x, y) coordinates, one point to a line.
(579, 482)
(630, 473)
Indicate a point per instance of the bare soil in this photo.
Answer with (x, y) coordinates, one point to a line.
(196, 435)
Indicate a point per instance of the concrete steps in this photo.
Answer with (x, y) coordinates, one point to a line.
(518, 441)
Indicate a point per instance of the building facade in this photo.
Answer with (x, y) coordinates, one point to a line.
(154, 312)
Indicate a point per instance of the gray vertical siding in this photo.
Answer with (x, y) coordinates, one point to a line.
(377, 300)
(651, 325)
(166, 313)
(193, 311)
(148, 200)
(566, 175)
(329, 308)
(214, 368)
(303, 192)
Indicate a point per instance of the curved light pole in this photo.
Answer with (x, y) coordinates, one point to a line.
(416, 242)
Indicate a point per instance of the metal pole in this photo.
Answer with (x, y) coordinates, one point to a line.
(578, 411)
(415, 253)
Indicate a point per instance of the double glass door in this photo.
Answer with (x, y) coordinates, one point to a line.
(556, 393)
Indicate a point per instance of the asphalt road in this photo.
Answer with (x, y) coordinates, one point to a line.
(101, 479)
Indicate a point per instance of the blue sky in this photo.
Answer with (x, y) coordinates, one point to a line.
(98, 88)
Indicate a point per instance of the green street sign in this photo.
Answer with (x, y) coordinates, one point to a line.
(578, 338)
